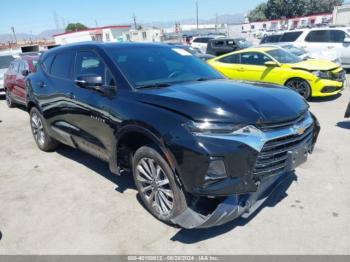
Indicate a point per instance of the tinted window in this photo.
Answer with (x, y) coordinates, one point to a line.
(337, 36)
(15, 67)
(202, 40)
(219, 43)
(252, 58)
(319, 36)
(290, 36)
(283, 56)
(5, 61)
(61, 66)
(231, 59)
(89, 63)
(46, 63)
(147, 65)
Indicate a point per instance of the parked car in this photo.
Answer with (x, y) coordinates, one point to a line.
(202, 150)
(222, 46)
(201, 42)
(316, 40)
(194, 51)
(14, 79)
(5, 60)
(271, 39)
(325, 55)
(276, 65)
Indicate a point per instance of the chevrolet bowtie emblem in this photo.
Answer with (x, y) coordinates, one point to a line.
(300, 130)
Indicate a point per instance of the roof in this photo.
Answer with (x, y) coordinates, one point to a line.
(97, 28)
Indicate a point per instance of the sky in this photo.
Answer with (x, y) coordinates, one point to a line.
(36, 16)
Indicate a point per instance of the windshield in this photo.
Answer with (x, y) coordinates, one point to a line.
(155, 65)
(284, 57)
(244, 43)
(5, 61)
(295, 50)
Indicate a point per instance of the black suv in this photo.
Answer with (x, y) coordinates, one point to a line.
(202, 150)
(221, 46)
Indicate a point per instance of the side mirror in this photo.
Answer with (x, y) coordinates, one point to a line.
(93, 82)
(25, 72)
(271, 64)
(347, 40)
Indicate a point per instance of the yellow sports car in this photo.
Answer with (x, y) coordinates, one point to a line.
(278, 66)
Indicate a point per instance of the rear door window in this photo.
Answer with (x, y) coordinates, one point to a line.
(61, 66)
(318, 36)
(290, 36)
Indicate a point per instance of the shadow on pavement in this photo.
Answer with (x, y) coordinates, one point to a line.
(123, 182)
(190, 236)
(344, 124)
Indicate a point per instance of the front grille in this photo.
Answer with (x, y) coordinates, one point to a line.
(284, 124)
(273, 157)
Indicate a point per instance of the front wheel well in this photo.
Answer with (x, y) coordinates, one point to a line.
(30, 105)
(129, 143)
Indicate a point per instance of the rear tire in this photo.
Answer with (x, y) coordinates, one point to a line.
(156, 185)
(9, 100)
(301, 86)
(39, 131)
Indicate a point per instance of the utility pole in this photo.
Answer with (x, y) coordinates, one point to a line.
(135, 24)
(14, 34)
(216, 23)
(55, 17)
(96, 24)
(197, 15)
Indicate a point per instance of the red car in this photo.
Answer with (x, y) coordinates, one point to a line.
(14, 79)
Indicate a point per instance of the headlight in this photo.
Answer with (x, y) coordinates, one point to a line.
(207, 127)
(322, 74)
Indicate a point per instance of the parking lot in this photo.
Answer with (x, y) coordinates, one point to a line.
(67, 202)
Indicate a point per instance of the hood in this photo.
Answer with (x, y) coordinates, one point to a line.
(315, 65)
(227, 101)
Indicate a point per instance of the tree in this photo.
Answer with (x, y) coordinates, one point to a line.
(277, 9)
(258, 14)
(74, 27)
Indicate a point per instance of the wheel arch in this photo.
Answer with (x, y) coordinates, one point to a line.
(132, 137)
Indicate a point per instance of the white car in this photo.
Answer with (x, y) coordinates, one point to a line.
(327, 54)
(201, 42)
(322, 41)
(5, 59)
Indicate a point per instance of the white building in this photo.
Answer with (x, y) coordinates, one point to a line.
(341, 15)
(103, 34)
(286, 24)
(143, 35)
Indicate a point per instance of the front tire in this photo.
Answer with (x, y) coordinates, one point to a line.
(39, 131)
(156, 185)
(9, 100)
(301, 86)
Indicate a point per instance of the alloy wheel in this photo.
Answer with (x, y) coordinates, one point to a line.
(155, 186)
(300, 86)
(38, 129)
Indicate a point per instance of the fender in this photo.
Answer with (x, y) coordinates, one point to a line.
(157, 139)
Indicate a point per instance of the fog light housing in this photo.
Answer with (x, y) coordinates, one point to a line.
(216, 171)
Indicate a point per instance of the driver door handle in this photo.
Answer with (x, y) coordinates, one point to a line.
(240, 69)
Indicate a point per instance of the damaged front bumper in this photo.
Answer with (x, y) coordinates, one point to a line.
(233, 206)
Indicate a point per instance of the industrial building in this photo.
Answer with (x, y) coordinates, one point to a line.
(341, 15)
(104, 34)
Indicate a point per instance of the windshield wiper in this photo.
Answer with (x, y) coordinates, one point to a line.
(154, 85)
